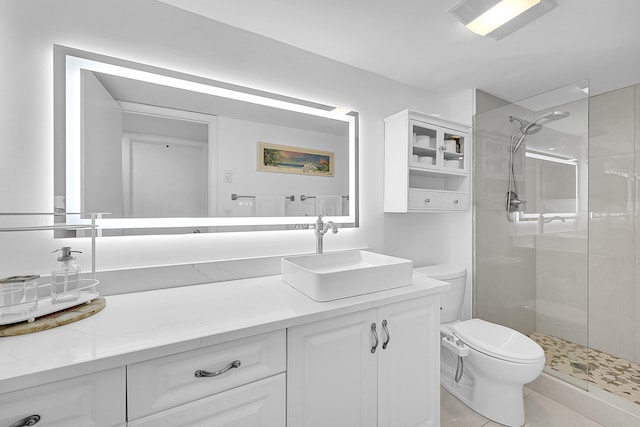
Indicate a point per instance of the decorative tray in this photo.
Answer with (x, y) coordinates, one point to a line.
(28, 309)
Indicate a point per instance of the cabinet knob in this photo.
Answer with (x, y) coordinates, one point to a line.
(29, 421)
(426, 201)
(455, 202)
(203, 374)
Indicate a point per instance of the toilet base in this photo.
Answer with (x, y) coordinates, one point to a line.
(502, 402)
(507, 410)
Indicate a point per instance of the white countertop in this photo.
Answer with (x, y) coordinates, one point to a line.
(145, 325)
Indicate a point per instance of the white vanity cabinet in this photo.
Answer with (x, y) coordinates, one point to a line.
(237, 383)
(95, 400)
(258, 404)
(378, 367)
(427, 162)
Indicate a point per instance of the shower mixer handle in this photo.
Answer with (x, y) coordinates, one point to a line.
(512, 202)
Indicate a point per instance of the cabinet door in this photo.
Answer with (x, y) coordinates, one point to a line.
(91, 400)
(332, 373)
(453, 150)
(259, 404)
(409, 364)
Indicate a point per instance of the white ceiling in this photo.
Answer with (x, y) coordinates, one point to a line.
(419, 43)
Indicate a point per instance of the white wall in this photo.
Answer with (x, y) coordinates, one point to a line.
(150, 32)
(238, 152)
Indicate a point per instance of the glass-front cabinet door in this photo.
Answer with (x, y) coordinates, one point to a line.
(436, 148)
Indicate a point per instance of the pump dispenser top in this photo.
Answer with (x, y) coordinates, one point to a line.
(66, 253)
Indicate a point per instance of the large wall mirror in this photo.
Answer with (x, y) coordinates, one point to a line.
(160, 151)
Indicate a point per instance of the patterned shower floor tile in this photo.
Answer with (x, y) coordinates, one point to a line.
(604, 371)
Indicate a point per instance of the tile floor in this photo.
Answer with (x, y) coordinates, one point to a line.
(539, 412)
(609, 373)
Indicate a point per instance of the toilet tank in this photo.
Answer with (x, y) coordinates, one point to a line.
(450, 301)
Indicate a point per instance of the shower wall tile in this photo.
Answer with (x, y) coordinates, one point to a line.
(611, 255)
(611, 123)
(637, 231)
(611, 202)
(561, 294)
(637, 310)
(637, 116)
(507, 294)
(612, 304)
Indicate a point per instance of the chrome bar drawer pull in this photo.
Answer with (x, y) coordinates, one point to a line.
(202, 374)
(375, 336)
(29, 421)
(386, 333)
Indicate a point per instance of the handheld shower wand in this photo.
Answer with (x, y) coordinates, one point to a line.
(512, 202)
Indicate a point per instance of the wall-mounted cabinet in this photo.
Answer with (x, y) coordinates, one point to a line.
(427, 162)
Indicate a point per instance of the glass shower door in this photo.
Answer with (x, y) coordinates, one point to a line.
(531, 221)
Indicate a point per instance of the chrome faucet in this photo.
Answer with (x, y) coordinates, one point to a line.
(542, 220)
(321, 229)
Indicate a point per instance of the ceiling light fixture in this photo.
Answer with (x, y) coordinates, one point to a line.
(498, 18)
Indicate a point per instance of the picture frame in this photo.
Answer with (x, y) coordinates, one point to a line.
(294, 160)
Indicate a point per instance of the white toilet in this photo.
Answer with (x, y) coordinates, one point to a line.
(483, 364)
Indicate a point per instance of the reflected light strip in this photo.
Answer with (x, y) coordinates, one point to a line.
(565, 161)
(499, 15)
(75, 65)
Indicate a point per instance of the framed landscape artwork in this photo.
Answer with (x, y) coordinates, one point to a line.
(297, 160)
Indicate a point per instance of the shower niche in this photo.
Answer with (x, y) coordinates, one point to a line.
(426, 164)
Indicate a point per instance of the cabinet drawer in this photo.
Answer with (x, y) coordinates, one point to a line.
(437, 200)
(259, 404)
(163, 383)
(91, 400)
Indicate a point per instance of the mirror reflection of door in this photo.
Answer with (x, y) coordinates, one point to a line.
(143, 161)
(165, 177)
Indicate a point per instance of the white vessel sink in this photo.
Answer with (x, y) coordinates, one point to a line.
(331, 276)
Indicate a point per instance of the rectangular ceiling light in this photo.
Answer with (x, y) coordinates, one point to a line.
(498, 18)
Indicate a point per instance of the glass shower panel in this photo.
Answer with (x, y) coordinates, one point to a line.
(531, 221)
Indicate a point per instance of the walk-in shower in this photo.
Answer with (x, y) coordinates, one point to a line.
(512, 202)
(563, 267)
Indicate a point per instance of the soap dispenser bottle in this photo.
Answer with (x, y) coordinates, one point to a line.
(65, 281)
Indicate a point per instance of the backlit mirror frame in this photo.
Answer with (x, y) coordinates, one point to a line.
(558, 160)
(68, 64)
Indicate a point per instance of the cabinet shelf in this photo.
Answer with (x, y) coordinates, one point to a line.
(419, 169)
(438, 182)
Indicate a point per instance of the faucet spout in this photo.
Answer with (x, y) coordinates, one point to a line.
(321, 228)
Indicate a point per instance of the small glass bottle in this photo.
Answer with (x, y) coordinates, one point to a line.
(65, 281)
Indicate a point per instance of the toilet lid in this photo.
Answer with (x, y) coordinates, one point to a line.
(499, 341)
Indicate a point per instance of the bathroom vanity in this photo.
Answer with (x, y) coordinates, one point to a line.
(251, 352)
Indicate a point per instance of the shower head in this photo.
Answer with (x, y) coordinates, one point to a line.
(535, 126)
(543, 119)
(526, 128)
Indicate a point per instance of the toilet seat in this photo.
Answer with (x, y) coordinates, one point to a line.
(498, 341)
